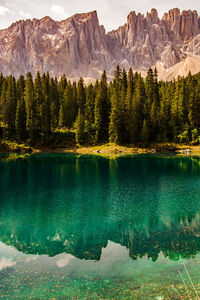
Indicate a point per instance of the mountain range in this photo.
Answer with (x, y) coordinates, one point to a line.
(80, 46)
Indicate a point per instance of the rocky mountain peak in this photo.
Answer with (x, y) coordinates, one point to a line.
(84, 17)
(46, 20)
(79, 46)
(152, 17)
(185, 25)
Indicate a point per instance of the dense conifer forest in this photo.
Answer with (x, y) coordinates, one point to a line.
(128, 110)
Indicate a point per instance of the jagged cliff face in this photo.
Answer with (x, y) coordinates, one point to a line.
(144, 42)
(79, 46)
(74, 46)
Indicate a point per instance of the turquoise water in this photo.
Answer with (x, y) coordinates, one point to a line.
(84, 227)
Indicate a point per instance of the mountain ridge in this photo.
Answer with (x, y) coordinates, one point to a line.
(80, 46)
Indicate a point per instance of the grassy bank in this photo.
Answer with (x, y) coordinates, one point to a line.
(111, 150)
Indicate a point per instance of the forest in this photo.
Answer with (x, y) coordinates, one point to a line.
(128, 110)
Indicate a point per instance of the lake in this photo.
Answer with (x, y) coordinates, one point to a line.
(87, 227)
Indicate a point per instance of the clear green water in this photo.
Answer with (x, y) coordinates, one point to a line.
(74, 227)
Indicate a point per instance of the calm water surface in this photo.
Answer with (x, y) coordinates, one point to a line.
(83, 227)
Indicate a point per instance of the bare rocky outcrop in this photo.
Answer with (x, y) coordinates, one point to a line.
(185, 26)
(79, 46)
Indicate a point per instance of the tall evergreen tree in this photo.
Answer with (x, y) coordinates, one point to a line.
(68, 107)
(80, 130)
(31, 109)
(38, 104)
(175, 111)
(81, 96)
(101, 111)
(20, 86)
(89, 113)
(54, 103)
(45, 107)
(137, 110)
(115, 134)
(20, 121)
(10, 105)
(117, 77)
(194, 111)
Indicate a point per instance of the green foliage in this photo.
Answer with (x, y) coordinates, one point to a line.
(184, 137)
(115, 118)
(137, 110)
(10, 104)
(31, 113)
(129, 109)
(101, 111)
(80, 128)
(145, 133)
(67, 114)
(20, 121)
(89, 114)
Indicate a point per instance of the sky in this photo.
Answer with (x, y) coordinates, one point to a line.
(111, 13)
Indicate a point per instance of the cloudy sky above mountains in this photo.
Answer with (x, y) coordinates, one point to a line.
(112, 13)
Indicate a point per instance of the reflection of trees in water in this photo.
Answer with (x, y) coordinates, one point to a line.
(54, 204)
(182, 240)
(179, 242)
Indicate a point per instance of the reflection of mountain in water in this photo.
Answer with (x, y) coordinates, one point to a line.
(61, 203)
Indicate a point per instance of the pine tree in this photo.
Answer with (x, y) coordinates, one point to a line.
(61, 121)
(54, 103)
(89, 113)
(123, 99)
(75, 98)
(20, 121)
(194, 111)
(10, 106)
(175, 112)
(31, 110)
(183, 105)
(20, 86)
(3, 106)
(150, 90)
(145, 133)
(115, 118)
(80, 128)
(81, 96)
(61, 87)
(101, 111)
(130, 90)
(45, 107)
(68, 107)
(165, 128)
(1, 82)
(38, 103)
(118, 122)
(137, 111)
(128, 102)
(117, 77)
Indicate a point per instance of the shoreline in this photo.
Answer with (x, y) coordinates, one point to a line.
(107, 150)
(112, 150)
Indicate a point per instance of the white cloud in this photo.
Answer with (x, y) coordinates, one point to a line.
(32, 258)
(4, 10)
(58, 10)
(64, 261)
(62, 9)
(6, 263)
(25, 14)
